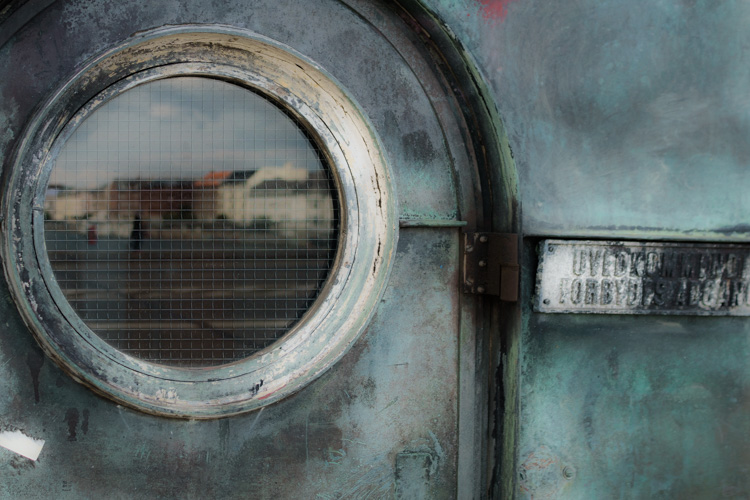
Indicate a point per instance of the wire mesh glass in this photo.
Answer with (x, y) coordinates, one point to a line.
(190, 222)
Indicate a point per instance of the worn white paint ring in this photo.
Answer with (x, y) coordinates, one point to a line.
(368, 228)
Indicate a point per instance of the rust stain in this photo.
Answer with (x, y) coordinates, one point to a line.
(540, 474)
(71, 418)
(85, 424)
(35, 360)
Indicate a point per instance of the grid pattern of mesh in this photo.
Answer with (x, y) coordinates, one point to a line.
(190, 222)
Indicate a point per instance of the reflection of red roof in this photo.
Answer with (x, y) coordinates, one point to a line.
(213, 179)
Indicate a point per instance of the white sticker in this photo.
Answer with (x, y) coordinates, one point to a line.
(18, 442)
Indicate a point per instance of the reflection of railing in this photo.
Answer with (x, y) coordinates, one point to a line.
(225, 264)
(156, 303)
(158, 232)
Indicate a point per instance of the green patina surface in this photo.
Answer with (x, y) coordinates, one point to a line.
(627, 120)
(620, 114)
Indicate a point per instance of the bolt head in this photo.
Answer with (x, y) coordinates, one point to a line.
(483, 239)
(480, 289)
(482, 263)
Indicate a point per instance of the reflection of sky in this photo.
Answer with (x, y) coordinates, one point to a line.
(180, 128)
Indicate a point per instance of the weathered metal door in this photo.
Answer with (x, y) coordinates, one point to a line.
(381, 388)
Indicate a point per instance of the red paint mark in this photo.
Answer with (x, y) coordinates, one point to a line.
(271, 393)
(535, 462)
(494, 10)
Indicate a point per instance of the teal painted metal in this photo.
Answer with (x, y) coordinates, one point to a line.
(625, 118)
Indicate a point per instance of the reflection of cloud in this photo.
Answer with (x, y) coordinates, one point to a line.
(163, 110)
(93, 172)
(181, 128)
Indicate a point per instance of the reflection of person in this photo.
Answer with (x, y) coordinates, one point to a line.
(137, 235)
(92, 234)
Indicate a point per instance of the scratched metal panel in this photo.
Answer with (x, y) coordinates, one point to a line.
(631, 406)
(384, 413)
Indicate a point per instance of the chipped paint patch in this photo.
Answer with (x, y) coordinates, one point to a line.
(18, 442)
(166, 395)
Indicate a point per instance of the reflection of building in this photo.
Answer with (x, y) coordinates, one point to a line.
(205, 191)
(286, 199)
(293, 201)
(154, 200)
(72, 204)
(121, 200)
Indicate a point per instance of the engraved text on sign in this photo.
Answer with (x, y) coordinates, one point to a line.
(617, 277)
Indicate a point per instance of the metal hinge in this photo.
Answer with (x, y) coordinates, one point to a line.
(491, 264)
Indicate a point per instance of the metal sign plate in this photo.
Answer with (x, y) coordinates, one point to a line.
(620, 277)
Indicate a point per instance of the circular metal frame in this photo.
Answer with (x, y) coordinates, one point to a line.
(368, 228)
(222, 72)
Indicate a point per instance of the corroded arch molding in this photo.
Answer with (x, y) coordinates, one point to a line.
(495, 179)
(489, 426)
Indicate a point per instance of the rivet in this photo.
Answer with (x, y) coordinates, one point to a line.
(469, 248)
(568, 472)
(551, 248)
(483, 239)
(480, 289)
(469, 281)
(482, 263)
(546, 301)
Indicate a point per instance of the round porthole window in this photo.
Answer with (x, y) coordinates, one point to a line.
(190, 222)
(198, 223)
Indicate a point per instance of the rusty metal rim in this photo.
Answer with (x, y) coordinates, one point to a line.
(368, 234)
